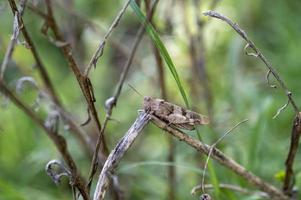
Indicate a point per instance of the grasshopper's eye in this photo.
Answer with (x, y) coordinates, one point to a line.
(147, 98)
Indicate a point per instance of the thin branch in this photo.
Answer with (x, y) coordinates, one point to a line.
(79, 133)
(57, 139)
(95, 27)
(99, 51)
(84, 82)
(288, 183)
(258, 54)
(230, 187)
(213, 146)
(117, 153)
(223, 160)
(14, 38)
(111, 102)
(40, 66)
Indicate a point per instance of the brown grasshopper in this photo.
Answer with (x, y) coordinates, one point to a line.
(174, 114)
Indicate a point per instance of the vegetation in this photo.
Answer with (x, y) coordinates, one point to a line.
(74, 74)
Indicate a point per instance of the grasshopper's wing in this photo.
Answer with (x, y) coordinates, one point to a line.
(180, 121)
(197, 119)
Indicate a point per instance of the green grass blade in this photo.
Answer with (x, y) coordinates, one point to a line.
(163, 51)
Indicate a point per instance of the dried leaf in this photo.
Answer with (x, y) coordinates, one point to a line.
(56, 170)
(24, 79)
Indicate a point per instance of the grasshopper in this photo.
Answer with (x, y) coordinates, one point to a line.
(173, 114)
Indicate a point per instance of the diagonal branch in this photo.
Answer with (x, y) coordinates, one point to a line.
(57, 139)
(223, 160)
(27, 38)
(79, 133)
(296, 131)
(258, 54)
(99, 51)
(14, 38)
(117, 153)
(84, 82)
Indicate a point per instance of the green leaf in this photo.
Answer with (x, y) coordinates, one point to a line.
(162, 49)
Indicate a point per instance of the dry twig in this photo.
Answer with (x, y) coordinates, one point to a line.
(117, 153)
(79, 133)
(217, 155)
(271, 70)
(257, 53)
(213, 146)
(30, 44)
(14, 39)
(59, 141)
(84, 82)
(99, 51)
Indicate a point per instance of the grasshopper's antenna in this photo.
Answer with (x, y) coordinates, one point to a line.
(134, 90)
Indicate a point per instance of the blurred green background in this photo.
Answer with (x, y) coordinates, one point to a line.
(236, 84)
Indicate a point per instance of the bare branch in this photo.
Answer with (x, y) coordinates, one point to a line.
(84, 82)
(95, 27)
(117, 153)
(14, 39)
(99, 51)
(40, 65)
(257, 53)
(213, 146)
(79, 133)
(223, 160)
(57, 139)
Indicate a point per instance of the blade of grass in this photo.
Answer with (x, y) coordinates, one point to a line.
(162, 49)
